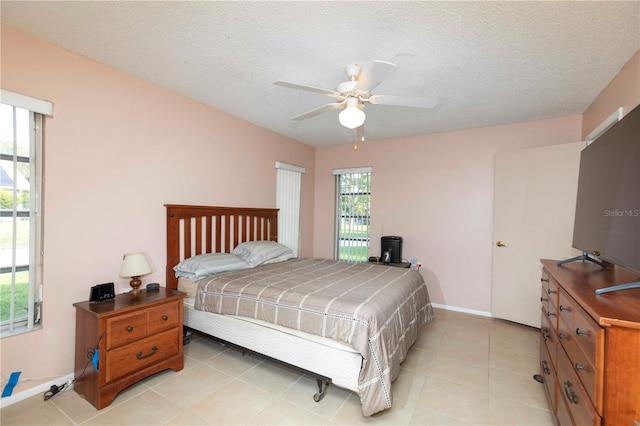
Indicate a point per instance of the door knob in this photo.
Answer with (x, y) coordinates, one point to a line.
(501, 244)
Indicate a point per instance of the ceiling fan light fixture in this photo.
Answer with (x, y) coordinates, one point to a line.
(352, 117)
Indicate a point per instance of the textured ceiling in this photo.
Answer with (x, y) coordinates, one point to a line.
(490, 63)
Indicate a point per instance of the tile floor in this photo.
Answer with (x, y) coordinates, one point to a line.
(463, 370)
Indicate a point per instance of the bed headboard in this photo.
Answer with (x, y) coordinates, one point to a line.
(193, 230)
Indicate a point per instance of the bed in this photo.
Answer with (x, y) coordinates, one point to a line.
(308, 313)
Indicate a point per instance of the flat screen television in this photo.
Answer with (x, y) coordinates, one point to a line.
(607, 219)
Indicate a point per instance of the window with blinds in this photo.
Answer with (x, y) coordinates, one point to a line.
(20, 218)
(353, 218)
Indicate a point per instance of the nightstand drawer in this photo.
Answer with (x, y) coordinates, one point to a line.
(138, 355)
(126, 329)
(163, 317)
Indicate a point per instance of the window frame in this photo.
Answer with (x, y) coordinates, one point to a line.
(35, 159)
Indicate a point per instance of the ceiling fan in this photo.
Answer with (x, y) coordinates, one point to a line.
(352, 95)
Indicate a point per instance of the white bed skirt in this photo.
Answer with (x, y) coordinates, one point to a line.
(315, 354)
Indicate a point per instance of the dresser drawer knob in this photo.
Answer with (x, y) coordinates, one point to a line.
(130, 329)
(542, 299)
(545, 367)
(579, 367)
(580, 332)
(154, 349)
(571, 396)
(551, 314)
(544, 332)
(165, 317)
(551, 291)
(565, 308)
(562, 336)
(544, 279)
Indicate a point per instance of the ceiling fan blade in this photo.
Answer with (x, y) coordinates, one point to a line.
(319, 110)
(406, 101)
(290, 85)
(374, 75)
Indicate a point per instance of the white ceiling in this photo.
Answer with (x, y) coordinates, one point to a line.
(490, 63)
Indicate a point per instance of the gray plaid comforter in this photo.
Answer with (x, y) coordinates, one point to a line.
(375, 309)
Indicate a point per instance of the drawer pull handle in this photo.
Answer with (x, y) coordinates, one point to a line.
(571, 396)
(544, 279)
(130, 329)
(154, 349)
(565, 308)
(562, 336)
(551, 314)
(164, 318)
(545, 368)
(551, 291)
(542, 299)
(579, 367)
(581, 332)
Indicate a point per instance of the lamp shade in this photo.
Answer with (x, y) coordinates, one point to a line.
(352, 116)
(134, 265)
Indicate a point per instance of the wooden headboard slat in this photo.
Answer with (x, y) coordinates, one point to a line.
(198, 236)
(256, 223)
(218, 235)
(187, 238)
(209, 233)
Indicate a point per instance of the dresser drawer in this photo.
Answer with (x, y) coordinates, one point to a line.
(587, 334)
(544, 297)
(125, 329)
(553, 291)
(589, 376)
(548, 375)
(163, 317)
(548, 336)
(565, 310)
(574, 395)
(135, 356)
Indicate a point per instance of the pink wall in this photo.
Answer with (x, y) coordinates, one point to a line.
(436, 191)
(117, 149)
(622, 91)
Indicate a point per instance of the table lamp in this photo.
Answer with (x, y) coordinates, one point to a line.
(134, 265)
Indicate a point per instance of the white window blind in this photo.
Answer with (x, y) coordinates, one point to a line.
(288, 201)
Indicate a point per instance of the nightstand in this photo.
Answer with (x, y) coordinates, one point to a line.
(135, 336)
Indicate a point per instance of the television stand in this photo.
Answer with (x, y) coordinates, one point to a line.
(583, 256)
(618, 287)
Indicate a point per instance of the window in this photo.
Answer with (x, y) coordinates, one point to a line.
(20, 214)
(353, 195)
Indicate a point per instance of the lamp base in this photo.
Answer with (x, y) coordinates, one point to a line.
(135, 283)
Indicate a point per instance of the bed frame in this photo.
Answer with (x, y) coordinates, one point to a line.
(193, 230)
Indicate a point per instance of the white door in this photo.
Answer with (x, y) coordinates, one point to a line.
(534, 206)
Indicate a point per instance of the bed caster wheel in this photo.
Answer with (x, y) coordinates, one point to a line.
(322, 389)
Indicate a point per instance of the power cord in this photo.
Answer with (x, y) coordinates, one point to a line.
(54, 390)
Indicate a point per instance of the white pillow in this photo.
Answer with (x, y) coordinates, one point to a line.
(203, 265)
(258, 252)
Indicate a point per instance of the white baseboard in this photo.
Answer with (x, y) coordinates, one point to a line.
(463, 310)
(33, 391)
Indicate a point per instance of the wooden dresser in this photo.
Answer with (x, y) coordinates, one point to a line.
(135, 336)
(590, 344)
